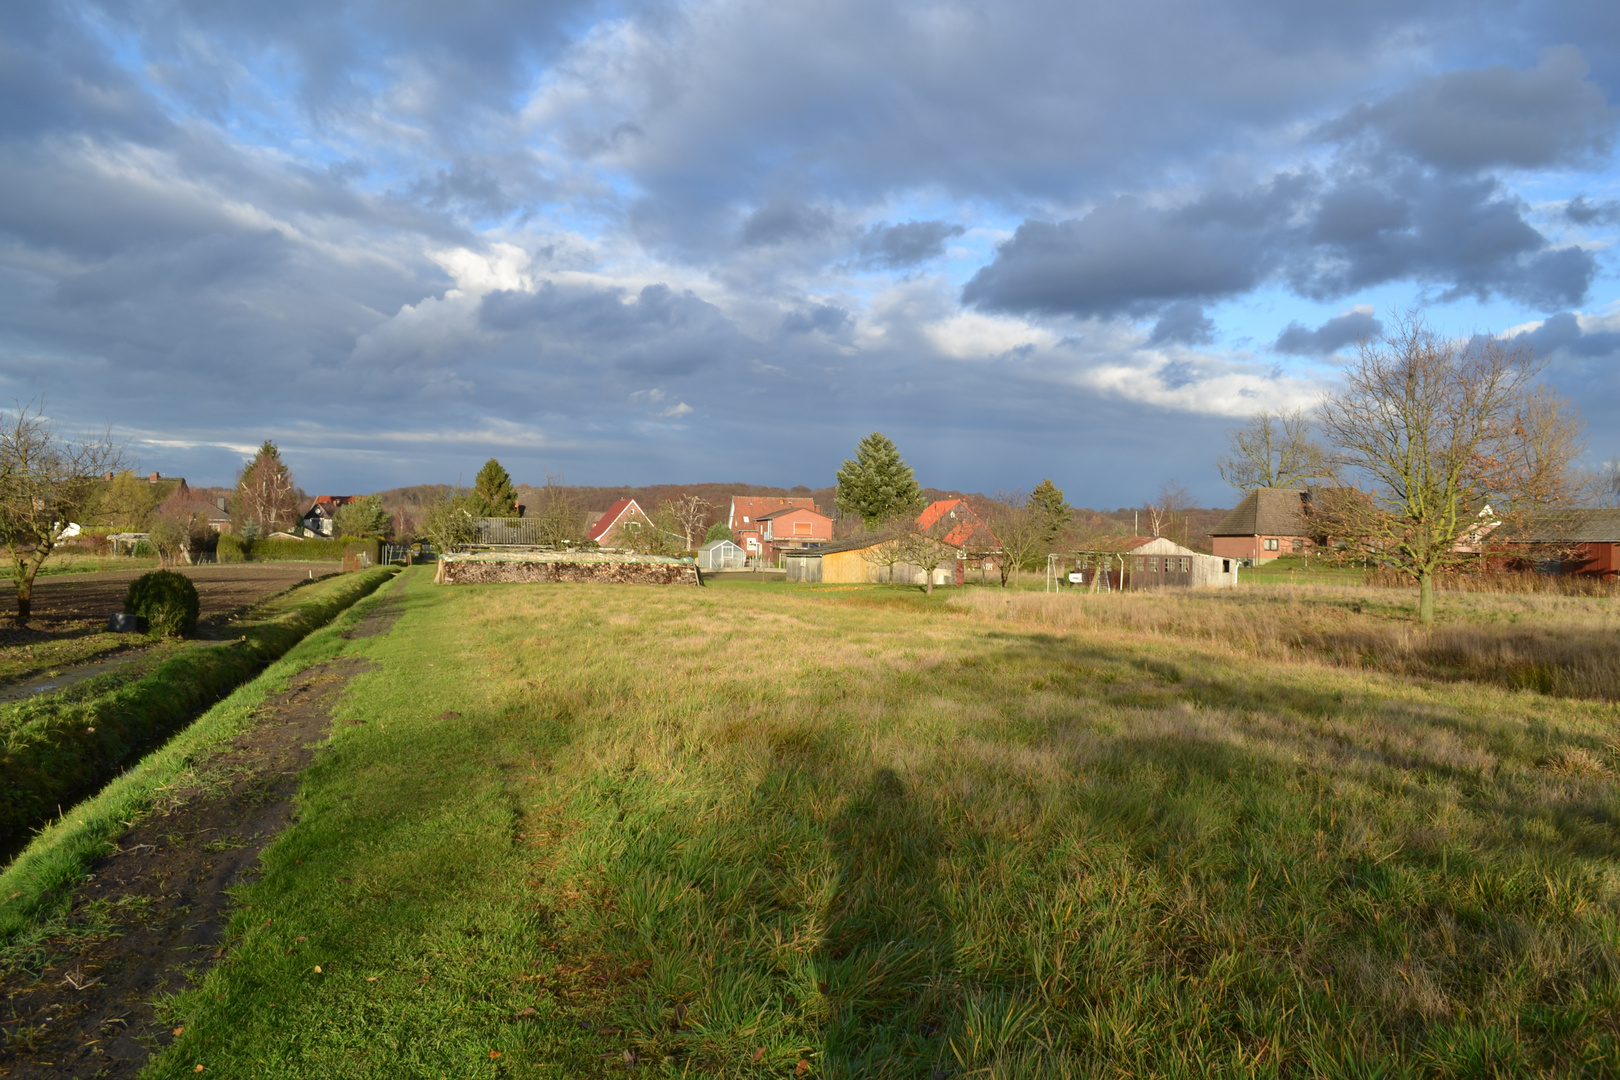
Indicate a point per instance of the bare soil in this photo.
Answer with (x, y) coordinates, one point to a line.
(89, 1012)
(77, 602)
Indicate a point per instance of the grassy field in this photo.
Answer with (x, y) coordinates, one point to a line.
(759, 831)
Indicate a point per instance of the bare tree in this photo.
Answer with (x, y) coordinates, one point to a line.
(1021, 529)
(690, 516)
(561, 521)
(1167, 515)
(927, 546)
(1453, 444)
(885, 549)
(1274, 449)
(47, 482)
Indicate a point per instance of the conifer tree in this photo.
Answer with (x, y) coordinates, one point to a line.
(1047, 501)
(878, 485)
(494, 492)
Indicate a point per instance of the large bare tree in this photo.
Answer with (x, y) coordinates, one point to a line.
(690, 516)
(1454, 444)
(1273, 450)
(48, 481)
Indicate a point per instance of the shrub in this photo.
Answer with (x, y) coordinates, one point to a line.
(231, 548)
(168, 601)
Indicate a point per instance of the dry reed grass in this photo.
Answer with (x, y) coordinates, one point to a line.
(1567, 646)
(1502, 583)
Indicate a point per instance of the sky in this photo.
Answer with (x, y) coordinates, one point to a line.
(698, 240)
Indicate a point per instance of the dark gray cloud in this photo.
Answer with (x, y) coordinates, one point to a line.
(1183, 323)
(1331, 336)
(909, 243)
(1549, 115)
(782, 223)
(1582, 211)
(1324, 238)
(1561, 336)
(825, 318)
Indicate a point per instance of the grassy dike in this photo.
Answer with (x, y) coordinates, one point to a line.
(561, 830)
(59, 749)
(38, 882)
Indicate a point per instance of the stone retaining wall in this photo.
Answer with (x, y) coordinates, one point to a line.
(479, 572)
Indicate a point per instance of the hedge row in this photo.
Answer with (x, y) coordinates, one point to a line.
(56, 752)
(233, 548)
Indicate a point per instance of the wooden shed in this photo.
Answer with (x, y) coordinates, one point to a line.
(1131, 563)
(859, 562)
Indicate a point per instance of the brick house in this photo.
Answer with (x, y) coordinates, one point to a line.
(620, 525)
(792, 527)
(1267, 524)
(747, 531)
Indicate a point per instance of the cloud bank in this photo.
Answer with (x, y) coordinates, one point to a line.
(725, 239)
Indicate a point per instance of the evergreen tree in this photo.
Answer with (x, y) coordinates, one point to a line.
(1055, 514)
(494, 492)
(878, 485)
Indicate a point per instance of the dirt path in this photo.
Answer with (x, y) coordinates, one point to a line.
(89, 1013)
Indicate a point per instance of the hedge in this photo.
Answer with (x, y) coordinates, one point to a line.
(56, 752)
(233, 548)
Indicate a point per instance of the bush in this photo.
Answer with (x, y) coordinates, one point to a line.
(168, 601)
(231, 548)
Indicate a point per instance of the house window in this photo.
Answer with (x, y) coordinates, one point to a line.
(1153, 565)
(1271, 545)
(1186, 565)
(803, 528)
(1139, 563)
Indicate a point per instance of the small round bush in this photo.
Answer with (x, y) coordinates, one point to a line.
(168, 601)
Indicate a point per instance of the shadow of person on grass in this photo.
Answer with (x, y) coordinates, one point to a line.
(886, 969)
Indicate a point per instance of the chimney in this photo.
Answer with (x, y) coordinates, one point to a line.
(109, 475)
(154, 478)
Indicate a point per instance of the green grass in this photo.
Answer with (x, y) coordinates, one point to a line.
(731, 831)
(56, 749)
(36, 888)
(1297, 570)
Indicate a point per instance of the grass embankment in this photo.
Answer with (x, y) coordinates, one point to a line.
(58, 749)
(36, 888)
(747, 833)
(1562, 645)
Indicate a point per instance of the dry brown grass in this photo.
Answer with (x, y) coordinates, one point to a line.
(1502, 584)
(1567, 646)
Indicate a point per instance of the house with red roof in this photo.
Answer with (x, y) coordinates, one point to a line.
(748, 529)
(621, 525)
(792, 527)
(955, 524)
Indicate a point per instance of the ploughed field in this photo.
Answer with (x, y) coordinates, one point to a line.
(69, 621)
(770, 830)
(77, 602)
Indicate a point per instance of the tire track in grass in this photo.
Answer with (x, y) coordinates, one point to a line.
(149, 918)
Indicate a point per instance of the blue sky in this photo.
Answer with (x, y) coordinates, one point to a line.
(722, 240)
